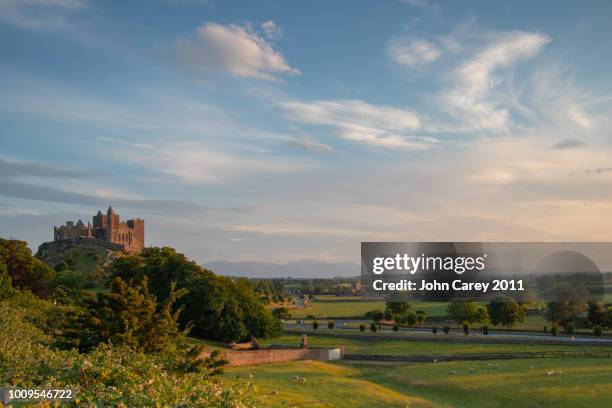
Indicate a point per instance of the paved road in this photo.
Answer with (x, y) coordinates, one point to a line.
(340, 324)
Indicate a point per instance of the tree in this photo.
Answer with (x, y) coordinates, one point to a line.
(330, 324)
(466, 327)
(377, 315)
(595, 312)
(315, 324)
(362, 327)
(129, 315)
(373, 327)
(446, 329)
(462, 311)
(554, 330)
(567, 302)
(24, 270)
(395, 327)
(434, 329)
(597, 331)
(421, 315)
(281, 313)
(410, 319)
(215, 307)
(485, 330)
(505, 311)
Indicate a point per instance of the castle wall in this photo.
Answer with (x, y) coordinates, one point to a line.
(237, 358)
(130, 234)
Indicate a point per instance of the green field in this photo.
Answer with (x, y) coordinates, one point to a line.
(516, 383)
(357, 308)
(378, 346)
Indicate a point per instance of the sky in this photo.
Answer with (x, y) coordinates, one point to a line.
(287, 130)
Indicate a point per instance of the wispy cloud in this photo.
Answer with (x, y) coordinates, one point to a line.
(40, 14)
(471, 101)
(271, 30)
(569, 144)
(361, 122)
(412, 52)
(233, 49)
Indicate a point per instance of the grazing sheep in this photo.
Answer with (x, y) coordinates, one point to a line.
(303, 380)
(452, 372)
(531, 367)
(489, 365)
(274, 392)
(251, 376)
(435, 360)
(472, 370)
(296, 378)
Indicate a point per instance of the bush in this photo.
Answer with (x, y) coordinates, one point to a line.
(373, 327)
(597, 331)
(330, 324)
(545, 329)
(362, 327)
(434, 329)
(281, 313)
(570, 329)
(554, 330)
(396, 327)
(446, 329)
(466, 328)
(485, 330)
(315, 324)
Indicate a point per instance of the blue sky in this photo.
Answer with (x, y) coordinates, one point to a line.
(276, 130)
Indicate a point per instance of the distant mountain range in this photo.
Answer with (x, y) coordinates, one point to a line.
(300, 269)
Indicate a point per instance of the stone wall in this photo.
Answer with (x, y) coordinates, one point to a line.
(251, 357)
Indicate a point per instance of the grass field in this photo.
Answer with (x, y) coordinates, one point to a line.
(378, 346)
(356, 308)
(582, 382)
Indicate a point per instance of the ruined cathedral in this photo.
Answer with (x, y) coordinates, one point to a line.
(107, 227)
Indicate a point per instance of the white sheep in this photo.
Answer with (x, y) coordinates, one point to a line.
(453, 372)
(251, 376)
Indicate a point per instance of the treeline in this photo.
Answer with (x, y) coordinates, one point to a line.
(126, 346)
(300, 287)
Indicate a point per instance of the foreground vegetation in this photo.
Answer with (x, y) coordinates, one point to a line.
(516, 383)
(125, 346)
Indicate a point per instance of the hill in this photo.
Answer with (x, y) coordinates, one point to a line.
(300, 269)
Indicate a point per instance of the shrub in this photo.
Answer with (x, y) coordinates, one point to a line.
(446, 329)
(330, 324)
(396, 327)
(373, 327)
(554, 330)
(597, 331)
(362, 327)
(466, 328)
(570, 329)
(485, 330)
(315, 324)
(434, 329)
(545, 329)
(311, 317)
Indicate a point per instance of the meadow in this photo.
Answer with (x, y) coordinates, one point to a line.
(515, 383)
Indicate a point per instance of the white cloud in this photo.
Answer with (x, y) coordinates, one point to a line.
(412, 52)
(359, 121)
(196, 163)
(233, 49)
(471, 100)
(40, 14)
(271, 30)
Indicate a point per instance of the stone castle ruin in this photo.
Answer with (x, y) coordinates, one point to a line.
(127, 235)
